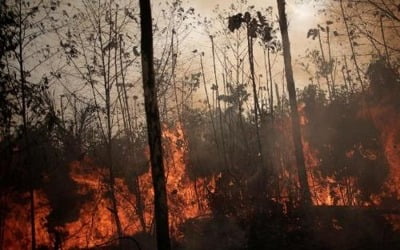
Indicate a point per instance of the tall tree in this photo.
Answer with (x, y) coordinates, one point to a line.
(305, 190)
(91, 51)
(154, 128)
(23, 25)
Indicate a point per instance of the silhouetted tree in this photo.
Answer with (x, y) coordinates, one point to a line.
(305, 190)
(154, 128)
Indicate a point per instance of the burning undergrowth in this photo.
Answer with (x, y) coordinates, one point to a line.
(225, 193)
(85, 220)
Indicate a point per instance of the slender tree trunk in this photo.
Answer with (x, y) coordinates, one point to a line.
(305, 191)
(352, 46)
(267, 79)
(107, 89)
(110, 166)
(225, 79)
(174, 60)
(25, 129)
(345, 81)
(328, 40)
(219, 105)
(278, 98)
(209, 106)
(324, 61)
(350, 82)
(255, 96)
(270, 81)
(154, 128)
(131, 137)
(384, 42)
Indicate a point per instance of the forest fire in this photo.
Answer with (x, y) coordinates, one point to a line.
(187, 199)
(16, 225)
(329, 191)
(180, 125)
(94, 226)
(325, 190)
(387, 120)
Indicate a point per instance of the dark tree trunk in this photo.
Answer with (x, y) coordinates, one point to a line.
(305, 191)
(270, 82)
(221, 128)
(154, 128)
(110, 161)
(209, 106)
(26, 156)
(255, 95)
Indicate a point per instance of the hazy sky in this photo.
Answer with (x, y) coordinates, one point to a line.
(302, 15)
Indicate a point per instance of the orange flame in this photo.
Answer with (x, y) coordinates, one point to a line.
(95, 225)
(17, 233)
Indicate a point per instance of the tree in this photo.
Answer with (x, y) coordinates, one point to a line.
(351, 42)
(95, 51)
(154, 128)
(296, 133)
(26, 104)
(255, 27)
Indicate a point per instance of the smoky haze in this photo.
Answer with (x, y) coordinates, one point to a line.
(216, 139)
